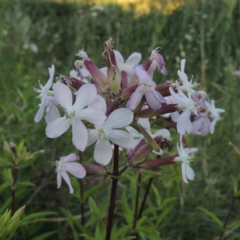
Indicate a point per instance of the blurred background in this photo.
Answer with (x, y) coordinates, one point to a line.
(36, 34)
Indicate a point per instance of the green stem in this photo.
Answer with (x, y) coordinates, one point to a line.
(137, 201)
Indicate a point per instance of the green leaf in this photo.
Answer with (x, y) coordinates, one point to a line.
(151, 172)
(44, 235)
(157, 194)
(86, 237)
(94, 209)
(234, 225)
(25, 183)
(235, 184)
(100, 230)
(212, 216)
(127, 213)
(37, 215)
(121, 231)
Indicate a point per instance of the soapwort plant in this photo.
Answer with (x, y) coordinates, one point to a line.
(117, 108)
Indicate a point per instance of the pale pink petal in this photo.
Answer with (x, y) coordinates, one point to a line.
(144, 122)
(118, 57)
(135, 98)
(120, 118)
(134, 132)
(52, 113)
(63, 95)
(57, 127)
(67, 180)
(103, 152)
(79, 135)
(175, 116)
(142, 74)
(184, 123)
(92, 136)
(189, 172)
(50, 80)
(59, 179)
(121, 138)
(153, 100)
(162, 132)
(93, 115)
(39, 114)
(85, 95)
(184, 170)
(71, 157)
(133, 59)
(76, 169)
(99, 103)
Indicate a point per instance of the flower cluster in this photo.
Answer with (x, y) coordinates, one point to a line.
(121, 104)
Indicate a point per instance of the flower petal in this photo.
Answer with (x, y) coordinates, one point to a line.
(184, 123)
(71, 157)
(93, 115)
(121, 138)
(59, 179)
(50, 80)
(135, 98)
(118, 57)
(152, 100)
(144, 122)
(189, 172)
(92, 136)
(99, 103)
(39, 114)
(52, 113)
(79, 135)
(184, 172)
(63, 95)
(162, 132)
(133, 59)
(103, 152)
(57, 127)
(119, 118)
(76, 169)
(67, 180)
(85, 95)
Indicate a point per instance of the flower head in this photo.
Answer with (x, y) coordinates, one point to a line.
(66, 165)
(185, 155)
(44, 95)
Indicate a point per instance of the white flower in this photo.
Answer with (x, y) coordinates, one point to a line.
(146, 87)
(214, 114)
(111, 131)
(44, 95)
(187, 106)
(75, 113)
(187, 86)
(185, 156)
(66, 164)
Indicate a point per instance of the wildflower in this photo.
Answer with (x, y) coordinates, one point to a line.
(111, 131)
(74, 113)
(185, 156)
(146, 86)
(214, 114)
(66, 165)
(44, 95)
(187, 106)
(187, 86)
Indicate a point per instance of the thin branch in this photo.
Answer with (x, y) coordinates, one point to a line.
(115, 176)
(136, 201)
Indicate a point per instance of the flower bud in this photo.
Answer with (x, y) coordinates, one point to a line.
(5, 218)
(94, 169)
(97, 75)
(11, 228)
(18, 213)
(143, 149)
(157, 162)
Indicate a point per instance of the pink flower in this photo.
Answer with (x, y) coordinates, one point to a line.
(111, 131)
(146, 87)
(75, 113)
(44, 95)
(66, 165)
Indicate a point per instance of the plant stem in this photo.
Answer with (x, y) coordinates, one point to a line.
(136, 201)
(145, 197)
(115, 176)
(229, 213)
(81, 198)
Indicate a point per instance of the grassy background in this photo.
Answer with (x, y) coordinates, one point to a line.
(206, 33)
